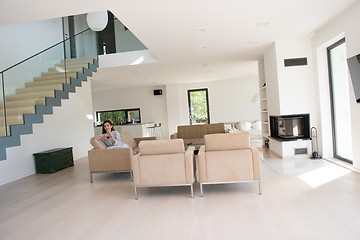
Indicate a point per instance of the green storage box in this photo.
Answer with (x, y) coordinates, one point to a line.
(53, 160)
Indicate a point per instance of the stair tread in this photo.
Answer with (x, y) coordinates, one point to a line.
(45, 78)
(56, 76)
(11, 117)
(2, 131)
(58, 86)
(23, 102)
(58, 73)
(29, 94)
(83, 59)
(12, 120)
(68, 68)
(18, 110)
(44, 83)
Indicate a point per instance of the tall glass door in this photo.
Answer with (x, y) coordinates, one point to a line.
(340, 101)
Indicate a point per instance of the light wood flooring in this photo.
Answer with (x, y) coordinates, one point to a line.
(301, 199)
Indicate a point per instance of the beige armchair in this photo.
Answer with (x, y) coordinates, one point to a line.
(228, 158)
(163, 163)
(113, 160)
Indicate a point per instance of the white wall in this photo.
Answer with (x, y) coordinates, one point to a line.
(173, 104)
(152, 108)
(229, 101)
(290, 90)
(21, 41)
(296, 84)
(68, 126)
(271, 76)
(344, 24)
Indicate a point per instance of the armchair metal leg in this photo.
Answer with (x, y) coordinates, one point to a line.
(136, 194)
(201, 189)
(91, 178)
(260, 191)
(192, 190)
(131, 176)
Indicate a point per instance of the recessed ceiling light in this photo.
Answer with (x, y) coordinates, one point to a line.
(252, 42)
(262, 24)
(202, 46)
(199, 29)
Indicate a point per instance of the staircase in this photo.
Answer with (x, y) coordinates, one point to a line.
(28, 105)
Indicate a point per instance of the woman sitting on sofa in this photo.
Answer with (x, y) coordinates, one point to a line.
(110, 137)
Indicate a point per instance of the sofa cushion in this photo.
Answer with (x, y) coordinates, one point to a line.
(212, 128)
(189, 131)
(161, 147)
(227, 141)
(98, 144)
(128, 139)
(198, 131)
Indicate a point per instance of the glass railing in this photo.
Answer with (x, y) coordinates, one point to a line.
(125, 40)
(18, 82)
(15, 79)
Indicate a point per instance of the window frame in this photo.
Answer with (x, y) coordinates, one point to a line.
(127, 114)
(332, 100)
(207, 103)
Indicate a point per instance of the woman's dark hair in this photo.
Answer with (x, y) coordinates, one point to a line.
(107, 121)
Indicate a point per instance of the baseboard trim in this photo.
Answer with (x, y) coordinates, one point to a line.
(342, 164)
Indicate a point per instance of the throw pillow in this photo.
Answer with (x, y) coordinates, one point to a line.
(128, 139)
(98, 144)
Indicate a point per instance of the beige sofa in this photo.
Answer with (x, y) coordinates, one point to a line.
(194, 134)
(113, 160)
(228, 158)
(163, 163)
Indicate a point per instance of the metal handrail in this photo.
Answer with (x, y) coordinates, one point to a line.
(4, 105)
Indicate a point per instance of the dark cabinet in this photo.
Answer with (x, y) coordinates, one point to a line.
(53, 160)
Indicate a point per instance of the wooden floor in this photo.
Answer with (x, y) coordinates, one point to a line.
(302, 199)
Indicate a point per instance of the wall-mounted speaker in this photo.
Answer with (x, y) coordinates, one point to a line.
(157, 92)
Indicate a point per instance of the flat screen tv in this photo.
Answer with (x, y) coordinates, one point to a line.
(354, 68)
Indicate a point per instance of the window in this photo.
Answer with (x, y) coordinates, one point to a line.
(198, 106)
(340, 101)
(119, 117)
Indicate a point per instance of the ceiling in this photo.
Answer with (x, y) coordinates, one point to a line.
(197, 40)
